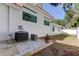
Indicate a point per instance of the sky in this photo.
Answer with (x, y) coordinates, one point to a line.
(57, 12)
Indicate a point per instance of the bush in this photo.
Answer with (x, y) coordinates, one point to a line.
(47, 37)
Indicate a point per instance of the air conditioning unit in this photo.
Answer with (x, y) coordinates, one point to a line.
(21, 36)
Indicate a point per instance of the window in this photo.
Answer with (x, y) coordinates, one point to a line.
(53, 29)
(46, 22)
(26, 16)
(33, 18)
(58, 29)
(29, 17)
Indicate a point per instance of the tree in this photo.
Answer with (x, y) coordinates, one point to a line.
(69, 15)
(66, 6)
(58, 21)
(68, 19)
(54, 4)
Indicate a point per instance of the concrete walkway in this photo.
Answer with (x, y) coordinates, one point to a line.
(70, 31)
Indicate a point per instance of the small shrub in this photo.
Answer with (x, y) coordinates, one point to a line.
(47, 37)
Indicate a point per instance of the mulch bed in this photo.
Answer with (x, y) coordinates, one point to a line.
(58, 49)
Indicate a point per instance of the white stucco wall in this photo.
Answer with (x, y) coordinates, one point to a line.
(3, 22)
(36, 28)
(77, 32)
(57, 29)
(70, 31)
(15, 19)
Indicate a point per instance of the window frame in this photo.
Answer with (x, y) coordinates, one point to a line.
(53, 28)
(30, 17)
(47, 23)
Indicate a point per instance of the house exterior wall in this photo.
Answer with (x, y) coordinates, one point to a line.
(57, 29)
(3, 22)
(77, 32)
(15, 19)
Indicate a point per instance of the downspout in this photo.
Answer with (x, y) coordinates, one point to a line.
(8, 20)
(9, 34)
(50, 27)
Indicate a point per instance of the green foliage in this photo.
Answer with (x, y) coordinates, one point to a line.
(65, 6)
(77, 22)
(74, 25)
(69, 15)
(68, 18)
(58, 21)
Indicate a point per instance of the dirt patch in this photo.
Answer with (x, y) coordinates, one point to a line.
(57, 37)
(58, 49)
